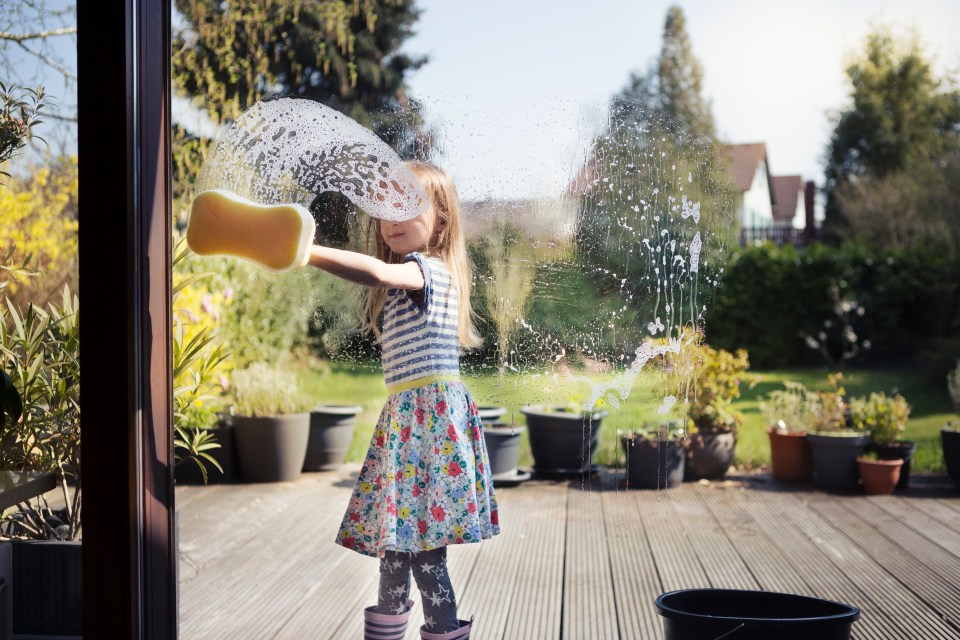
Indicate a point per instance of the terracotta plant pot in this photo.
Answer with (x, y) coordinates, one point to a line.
(879, 477)
(790, 456)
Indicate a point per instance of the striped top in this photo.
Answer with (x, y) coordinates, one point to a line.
(421, 340)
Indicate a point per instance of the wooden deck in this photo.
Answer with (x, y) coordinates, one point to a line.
(579, 560)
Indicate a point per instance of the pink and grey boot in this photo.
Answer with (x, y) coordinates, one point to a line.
(463, 633)
(385, 626)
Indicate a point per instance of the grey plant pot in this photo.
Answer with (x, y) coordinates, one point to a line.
(710, 456)
(562, 442)
(272, 449)
(491, 415)
(503, 447)
(653, 463)
(835, 460)
(331, 430)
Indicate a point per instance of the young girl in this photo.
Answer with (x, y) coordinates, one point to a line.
(425, 482)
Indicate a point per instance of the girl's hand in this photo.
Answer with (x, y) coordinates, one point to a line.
(367, 270)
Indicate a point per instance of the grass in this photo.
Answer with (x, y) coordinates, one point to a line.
(363, 385)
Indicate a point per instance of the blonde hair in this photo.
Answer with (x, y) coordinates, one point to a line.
(450, 246)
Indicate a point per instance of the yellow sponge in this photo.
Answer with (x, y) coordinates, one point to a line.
(277, 237)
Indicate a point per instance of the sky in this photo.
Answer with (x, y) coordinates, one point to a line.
(514, 86)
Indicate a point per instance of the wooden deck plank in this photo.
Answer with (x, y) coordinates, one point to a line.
(724, 567)
(882, 582)
(791, 561)
(756, 538)
(575, 560)
(636, 583)
(536, 610)
(589, 605)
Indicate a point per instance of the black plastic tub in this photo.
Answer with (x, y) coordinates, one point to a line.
(712, 614)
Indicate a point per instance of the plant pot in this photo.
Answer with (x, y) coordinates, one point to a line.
(950, 441)
(562, 442)
(879, 477)
(491, 415)
(900, 450)
(711, 614)
(790, 456)
(331, 430)
(187, 471)
(503, 448)
(835, 460)
(272, 448)
(710, 456)
(47, 588)
(653, 463)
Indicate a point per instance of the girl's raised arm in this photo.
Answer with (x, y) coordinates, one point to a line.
(366, 270)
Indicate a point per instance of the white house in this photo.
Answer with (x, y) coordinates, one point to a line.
(753, 202)
(789, 209)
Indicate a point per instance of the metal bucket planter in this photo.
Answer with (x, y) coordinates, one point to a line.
(331, 430)
(900, 450)
(562, 442)
(710, 614)
(790, 456)
(835, 460)
(653, 463)
(710, 456)
(47, 589)
(272, 448)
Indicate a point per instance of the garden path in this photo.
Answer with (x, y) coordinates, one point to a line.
(580, 559)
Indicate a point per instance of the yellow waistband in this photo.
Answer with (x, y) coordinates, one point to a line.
(421, 382)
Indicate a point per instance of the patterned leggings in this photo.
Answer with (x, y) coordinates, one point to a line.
(430, 571)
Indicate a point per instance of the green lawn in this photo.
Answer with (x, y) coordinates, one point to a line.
(345, 384)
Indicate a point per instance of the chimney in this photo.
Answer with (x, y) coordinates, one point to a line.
(810, 230)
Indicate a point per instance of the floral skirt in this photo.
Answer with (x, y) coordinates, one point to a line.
(425, 482)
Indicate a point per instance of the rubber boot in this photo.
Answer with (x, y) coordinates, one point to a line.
(385, 626)
(463, 633)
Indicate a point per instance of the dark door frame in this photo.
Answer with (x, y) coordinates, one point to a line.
(129, 546)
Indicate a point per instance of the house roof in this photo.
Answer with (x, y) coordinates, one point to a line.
(743, 159)
(785, 189)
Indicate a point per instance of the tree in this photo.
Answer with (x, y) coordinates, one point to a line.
(899, 134)
(674, 82)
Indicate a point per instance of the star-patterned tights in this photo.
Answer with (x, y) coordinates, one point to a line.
(430, 571)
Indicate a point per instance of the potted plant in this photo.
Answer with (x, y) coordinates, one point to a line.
(950, 434)
(39, 348)
(331, 430)
(712, 420)
(271, 423)
(791, 413)
(878, 476)
(655, 457)
(562, 439)
(885, 418)
(834, 444)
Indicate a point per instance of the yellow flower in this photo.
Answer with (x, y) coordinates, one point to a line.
(446, 449)
(404, 512)
(409, 472)
(445, 468)
(366, 487)
(458, 530)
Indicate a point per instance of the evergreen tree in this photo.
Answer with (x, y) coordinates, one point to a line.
(901, 128)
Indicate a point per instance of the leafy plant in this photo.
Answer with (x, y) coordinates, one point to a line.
(793, 409)
(837, 342)
(40, 350)
(883, 416)
(19, 113)
(198, 357)
(833, 407)
(263, 390)
(953, 386)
